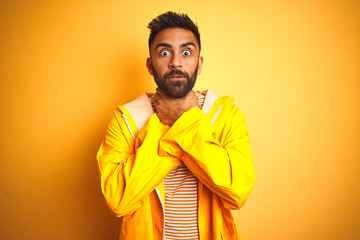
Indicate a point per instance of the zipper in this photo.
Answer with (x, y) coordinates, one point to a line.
(216, 114)
(128, 125)
(163, 209)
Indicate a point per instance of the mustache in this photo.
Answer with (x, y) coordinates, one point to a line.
(176, 72)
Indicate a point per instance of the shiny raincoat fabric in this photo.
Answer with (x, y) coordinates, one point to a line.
(138, 151)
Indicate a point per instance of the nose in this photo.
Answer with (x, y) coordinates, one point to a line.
(175, 61)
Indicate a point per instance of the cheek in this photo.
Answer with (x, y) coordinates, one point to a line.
(194, 64)
(160, 67)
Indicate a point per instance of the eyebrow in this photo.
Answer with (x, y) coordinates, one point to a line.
(187, 44)
(169, 45)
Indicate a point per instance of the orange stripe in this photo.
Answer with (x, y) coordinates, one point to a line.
(181, 204)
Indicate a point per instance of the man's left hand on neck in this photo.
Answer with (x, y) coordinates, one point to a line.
(169, 109)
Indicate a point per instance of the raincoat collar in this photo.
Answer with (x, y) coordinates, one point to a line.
(141, 110)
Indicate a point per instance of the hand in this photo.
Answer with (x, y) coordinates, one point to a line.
(169, 109)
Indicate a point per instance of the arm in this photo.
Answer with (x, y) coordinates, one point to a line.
(225, 166)
(131, 171)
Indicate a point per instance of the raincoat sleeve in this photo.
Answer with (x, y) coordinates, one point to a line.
(131, 169)
(223, 163)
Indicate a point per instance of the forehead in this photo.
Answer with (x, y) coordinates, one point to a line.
(175, 37)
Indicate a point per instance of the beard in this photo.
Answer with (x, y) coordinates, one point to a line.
(175, 89)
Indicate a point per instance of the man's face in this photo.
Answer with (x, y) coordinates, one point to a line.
(174, 61)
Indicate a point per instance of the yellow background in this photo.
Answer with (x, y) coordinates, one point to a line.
(293, 67)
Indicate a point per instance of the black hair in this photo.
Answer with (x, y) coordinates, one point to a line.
(172, 19)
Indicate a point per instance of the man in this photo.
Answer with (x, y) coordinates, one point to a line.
(173, 164)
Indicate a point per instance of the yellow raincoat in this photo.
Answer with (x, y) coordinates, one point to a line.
(138, 151)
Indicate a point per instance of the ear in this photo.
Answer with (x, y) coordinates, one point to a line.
(201, 60)
(149, 66)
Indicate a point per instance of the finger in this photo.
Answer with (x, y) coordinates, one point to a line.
(159, 91)
(191, 94)
(195, 98)
(157, 97)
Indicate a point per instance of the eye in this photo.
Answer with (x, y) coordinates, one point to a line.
(165, 53)
(186, 53)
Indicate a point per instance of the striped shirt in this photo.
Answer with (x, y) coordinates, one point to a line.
(181, 198)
